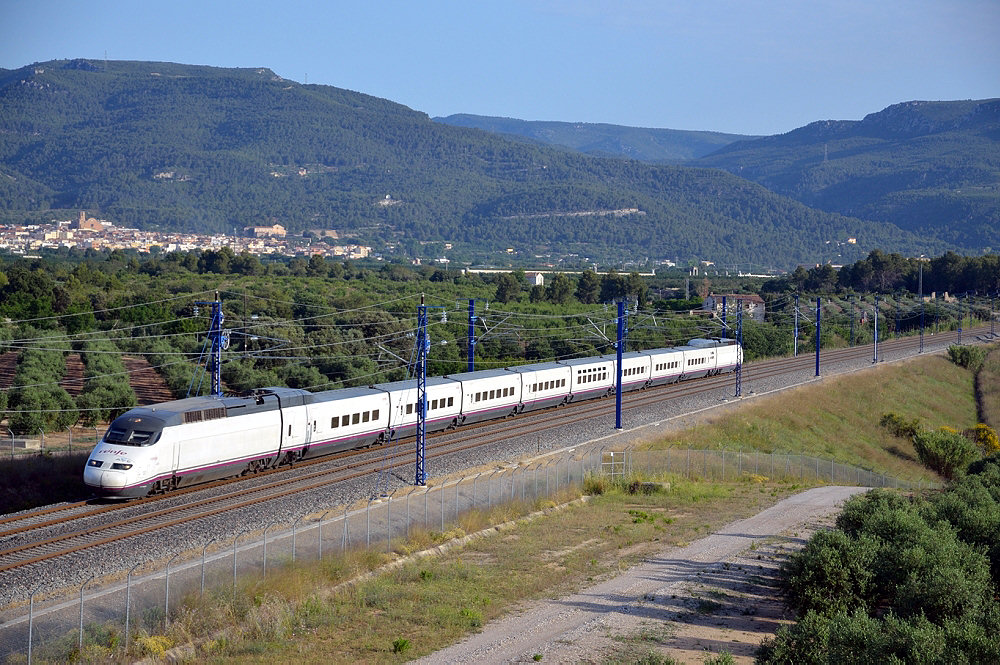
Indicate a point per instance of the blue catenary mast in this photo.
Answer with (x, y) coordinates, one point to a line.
(795, 337)
(725, 310)
(619, 349)
(472, 334)
(218, 338)
(423, 346)
(739, 349)
(817, 335)
(875, 349)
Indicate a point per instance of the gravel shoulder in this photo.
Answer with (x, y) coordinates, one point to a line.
(715, 594)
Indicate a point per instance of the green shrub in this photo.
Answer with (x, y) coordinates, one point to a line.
(833, 573)
(899, 426)
(969, 357)
(802, 643)
(944, 451)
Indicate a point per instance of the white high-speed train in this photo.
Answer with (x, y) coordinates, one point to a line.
(157, 448)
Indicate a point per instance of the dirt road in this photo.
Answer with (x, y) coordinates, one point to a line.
(716, 594)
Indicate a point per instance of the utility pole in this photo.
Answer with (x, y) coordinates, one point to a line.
(875, 353)
(852, 319)
(619, 349)
(817, 333)
(739, 349)
(895, 330)
(724, 310)
(472, 334)
(961, 316)
(423, 347)
(920, 291)
(219, 340)
(795, 336)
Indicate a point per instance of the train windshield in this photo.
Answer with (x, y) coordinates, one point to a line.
(134, 431)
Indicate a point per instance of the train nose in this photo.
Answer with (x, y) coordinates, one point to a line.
(112, 480)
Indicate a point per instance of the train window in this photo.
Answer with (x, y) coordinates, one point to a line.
(493, 394)
(451, 401)
(409, 409)
(356, 419)
(434, 404)
(289, 430)
(365, 416)
(375, 414)
(335, 422)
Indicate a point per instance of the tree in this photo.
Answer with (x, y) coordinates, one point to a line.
(588, 287)
(508, 288)
(559, 289)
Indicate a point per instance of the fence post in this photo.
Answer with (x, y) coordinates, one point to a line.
(80, 642)
(320, 533)
(294, 524)
(343, 547)
(70, 430)
(458, 486)
(166, 592)
(441, 501)
(368, 525)
(388, 525)
(128, 601)
(203, 551)
(31, 617)
(236, 540)
(408, 494)
(426, 490)
(264, 555)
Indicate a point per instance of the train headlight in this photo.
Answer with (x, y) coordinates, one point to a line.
(121, 467)
(95, 462)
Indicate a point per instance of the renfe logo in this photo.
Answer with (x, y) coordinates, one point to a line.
(109, 451)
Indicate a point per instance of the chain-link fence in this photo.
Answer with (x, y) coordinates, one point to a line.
(19, 445)
(104, 613)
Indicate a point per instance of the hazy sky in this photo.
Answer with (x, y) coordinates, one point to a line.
(744, 66)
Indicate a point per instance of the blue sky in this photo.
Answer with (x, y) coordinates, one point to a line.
(750, 66)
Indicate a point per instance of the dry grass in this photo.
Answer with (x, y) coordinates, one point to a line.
(839, 417)
(305, 614)
(988, 389)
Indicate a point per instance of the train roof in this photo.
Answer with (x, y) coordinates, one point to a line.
(345, 393)
(411, 384)
(585, 361)
(480, 374)
(714, 341)
(536, 367)
(625, 356)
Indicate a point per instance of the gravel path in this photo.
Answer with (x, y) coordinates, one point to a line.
(589, 626)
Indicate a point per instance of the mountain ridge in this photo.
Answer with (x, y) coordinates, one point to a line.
(193, 147)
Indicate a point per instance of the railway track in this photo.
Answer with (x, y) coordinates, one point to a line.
(60, 531)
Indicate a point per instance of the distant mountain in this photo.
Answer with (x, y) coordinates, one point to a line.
(932, 168)
(180, 147)
(648, 145)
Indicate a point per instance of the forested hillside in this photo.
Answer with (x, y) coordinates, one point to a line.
(646, 144)
(161, 145)
(932, 168)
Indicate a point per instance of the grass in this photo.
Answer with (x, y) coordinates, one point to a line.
(988, 389)
(839, 417)
(305, 613)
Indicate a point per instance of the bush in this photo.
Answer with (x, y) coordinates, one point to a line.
(899, 426)
(803, 642)
(833, 573)
(944, 451)
(985, 437)
(969, 357)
